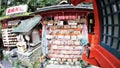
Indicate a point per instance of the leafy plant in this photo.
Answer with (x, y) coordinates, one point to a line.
(32, 4)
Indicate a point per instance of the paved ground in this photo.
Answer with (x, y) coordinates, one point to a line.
(6, 64)
(67, 66)
(61, 66)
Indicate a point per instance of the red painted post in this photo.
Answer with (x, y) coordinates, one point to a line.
(97, 23)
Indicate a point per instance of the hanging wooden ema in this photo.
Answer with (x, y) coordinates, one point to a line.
(65, 17)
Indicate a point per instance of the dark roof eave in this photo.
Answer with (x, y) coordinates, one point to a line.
(57, 7)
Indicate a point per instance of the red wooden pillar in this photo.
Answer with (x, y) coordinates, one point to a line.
(97, 23)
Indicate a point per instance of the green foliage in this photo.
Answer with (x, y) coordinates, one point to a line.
(32, 4)
(0, 29)
(44, 3)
